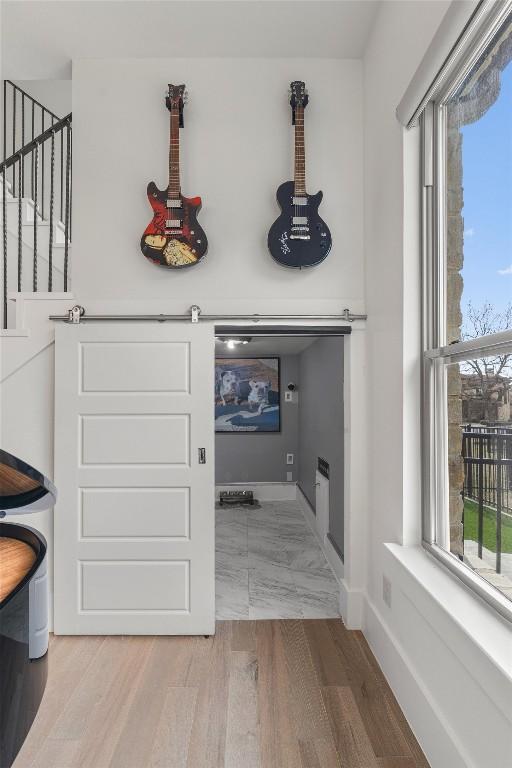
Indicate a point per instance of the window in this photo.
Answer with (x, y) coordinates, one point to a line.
(467, 294)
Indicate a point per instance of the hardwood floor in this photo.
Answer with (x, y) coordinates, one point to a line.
(260, 694)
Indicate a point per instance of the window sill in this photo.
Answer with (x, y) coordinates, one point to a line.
(480, 637)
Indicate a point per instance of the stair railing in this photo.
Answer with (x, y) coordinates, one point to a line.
(42, 186)
(25, 118)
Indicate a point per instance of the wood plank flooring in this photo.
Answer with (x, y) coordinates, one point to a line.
(260, 694)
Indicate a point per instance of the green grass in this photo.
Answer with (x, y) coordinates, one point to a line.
(489, 540)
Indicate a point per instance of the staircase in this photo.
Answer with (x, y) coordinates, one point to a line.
(35, 199)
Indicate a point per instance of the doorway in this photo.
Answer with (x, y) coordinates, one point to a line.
(279, 418)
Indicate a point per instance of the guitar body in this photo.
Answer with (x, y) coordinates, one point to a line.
(292, 249)
(168, 247)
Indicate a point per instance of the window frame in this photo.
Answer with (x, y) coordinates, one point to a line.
(437, 355)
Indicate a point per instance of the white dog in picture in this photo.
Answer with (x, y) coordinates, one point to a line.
(228, 387)
(258, 396)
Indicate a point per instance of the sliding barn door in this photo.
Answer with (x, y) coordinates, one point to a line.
(134, 522)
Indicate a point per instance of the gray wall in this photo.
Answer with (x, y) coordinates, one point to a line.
(321, 430)
(254, 457)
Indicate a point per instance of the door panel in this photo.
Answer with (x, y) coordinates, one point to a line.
(135, 439)
(134, 586)
(135, 367)
(134, 523)
(135, 512)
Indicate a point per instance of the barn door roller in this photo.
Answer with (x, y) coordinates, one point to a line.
(78, 314)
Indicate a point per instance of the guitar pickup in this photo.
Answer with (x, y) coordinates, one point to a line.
(298, 220)
(299, 201)
(173, 203)
(173, 223)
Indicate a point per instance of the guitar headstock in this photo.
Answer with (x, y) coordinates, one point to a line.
(298, 94)
(175, 97)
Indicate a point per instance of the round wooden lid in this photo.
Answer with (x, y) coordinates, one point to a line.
(16, 559)
(22, 487)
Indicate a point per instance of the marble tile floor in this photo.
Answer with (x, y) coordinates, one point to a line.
(269, 565)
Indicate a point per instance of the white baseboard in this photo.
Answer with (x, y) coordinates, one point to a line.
(433, 734)
(351, 606)
(308, 512)
(330, 553)
(333, 559)
(263, 491)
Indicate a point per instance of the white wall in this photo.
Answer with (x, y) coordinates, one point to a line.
(440, 648)
(55, 95)
(236, 150)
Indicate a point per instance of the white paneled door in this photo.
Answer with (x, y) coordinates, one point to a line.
(134, 523)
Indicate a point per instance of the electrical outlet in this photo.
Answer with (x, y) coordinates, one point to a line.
(289, 458)
(289, 477)
(386, 590)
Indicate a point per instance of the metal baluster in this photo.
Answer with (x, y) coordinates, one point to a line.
(70, 182)
(22, 188)
(42, 165)
(499, 499)
(20, 241)
(469, 447)
(50, 238)
(480, 496)
(4, 235)
(13, 140)
(66, 220)
(34, 268)
(62, 175)
(32, 155)
(5, 119)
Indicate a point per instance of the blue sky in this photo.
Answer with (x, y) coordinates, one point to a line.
(487, 180)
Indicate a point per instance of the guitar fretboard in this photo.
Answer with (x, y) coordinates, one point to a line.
(300, 155)
(174, 188)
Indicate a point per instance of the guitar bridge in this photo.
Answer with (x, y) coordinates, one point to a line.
(298, 236)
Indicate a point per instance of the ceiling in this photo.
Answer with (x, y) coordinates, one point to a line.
(41, 37)
(261, 347)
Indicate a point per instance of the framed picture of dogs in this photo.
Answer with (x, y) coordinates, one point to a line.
(247, 394)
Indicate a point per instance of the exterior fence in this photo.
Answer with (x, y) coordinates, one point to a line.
(487, 455)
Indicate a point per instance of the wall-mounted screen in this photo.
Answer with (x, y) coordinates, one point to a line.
(247, 394)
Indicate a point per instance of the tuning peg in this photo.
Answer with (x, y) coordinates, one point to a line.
(185, 97)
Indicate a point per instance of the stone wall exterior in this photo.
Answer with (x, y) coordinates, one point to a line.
(477, 96)
(454, 286)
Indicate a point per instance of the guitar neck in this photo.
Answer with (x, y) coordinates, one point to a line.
(174, 188)
(300, 153)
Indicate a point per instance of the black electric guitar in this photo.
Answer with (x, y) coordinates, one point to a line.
(173, 238)
(299, 237)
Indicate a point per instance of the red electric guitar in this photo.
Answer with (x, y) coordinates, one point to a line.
(173, 237)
